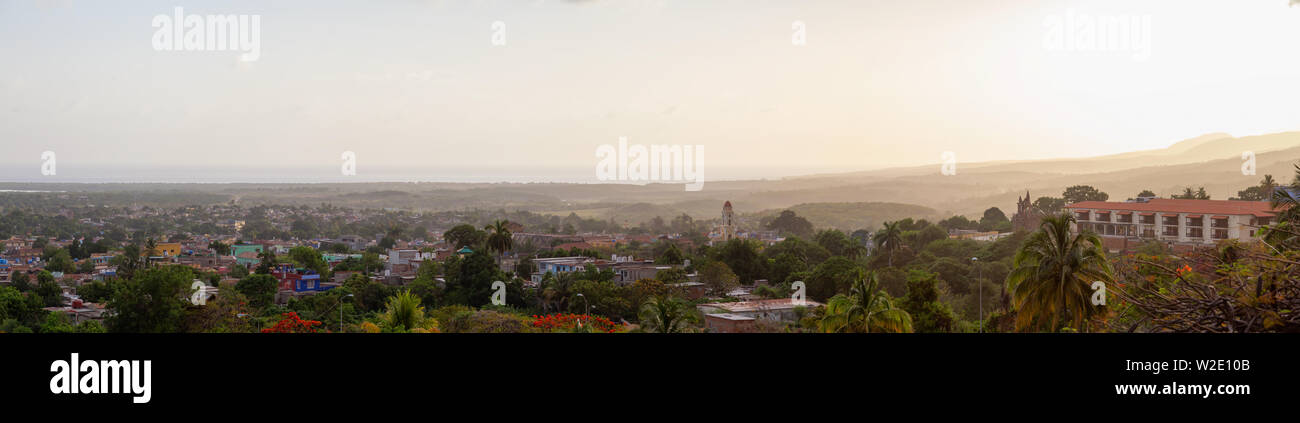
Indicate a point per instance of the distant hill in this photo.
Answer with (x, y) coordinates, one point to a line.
(849, 217)
(845, 200)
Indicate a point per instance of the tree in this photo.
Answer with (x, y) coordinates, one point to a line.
(152, 302)
(1146, 193)
(791, 224)
(1049, 205)
(1188, 194)
(839, 244)
(1080, 193)
(150, 251)
(21, 307)
(469, 279)
(718, 278)
(741, 257)
(866, 309)
(266, 262)
(21, 281)
(499, 239)
(890, 239)
(309, 258)
(221, 248)
(464, 235)
(922, 303)
(51, 293)
(666, 315)
(1053, 273)
(1262, 192)
(260, 289)
(61, 261)
(671, 255)
(405, 313)
(833, 276)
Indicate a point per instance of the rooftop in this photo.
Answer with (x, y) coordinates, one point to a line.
(1255, 208)
(760, 305)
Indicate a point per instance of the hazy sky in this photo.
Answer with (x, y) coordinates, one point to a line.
(419, 85)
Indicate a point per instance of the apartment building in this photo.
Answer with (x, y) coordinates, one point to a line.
(1183, 222)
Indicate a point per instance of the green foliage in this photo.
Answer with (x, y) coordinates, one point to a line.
(718, 278)
(405, 313)
(1050, 205)
(464, 235)
(922, 303)
(1079, 193)
(788, 223)
(152, 302)
(1053, 273)
(667, 315)
(834, 276)
(260, 289)
(469, 279)
(866, 309)
(741, 256)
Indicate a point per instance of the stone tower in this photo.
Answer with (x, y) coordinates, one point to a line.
(1026, 218)
(728, 225)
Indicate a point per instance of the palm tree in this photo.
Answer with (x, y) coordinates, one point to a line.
(500, 239)
(404, 311)
(1268, 185)
(891, 239)
(663, 314)
(1054, 273)
(866, 309)
(150, 250)
(1285, 201)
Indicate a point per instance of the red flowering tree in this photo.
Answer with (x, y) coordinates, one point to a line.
(291, 323)
(576, 323)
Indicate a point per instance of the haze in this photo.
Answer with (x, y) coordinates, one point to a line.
(418, 88)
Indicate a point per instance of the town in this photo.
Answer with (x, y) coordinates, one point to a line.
(68, 265)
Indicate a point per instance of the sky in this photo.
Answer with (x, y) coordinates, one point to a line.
(528, 90)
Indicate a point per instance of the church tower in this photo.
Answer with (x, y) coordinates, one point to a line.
(728, 228)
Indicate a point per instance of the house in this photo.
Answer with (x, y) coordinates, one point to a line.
(1187, 223)
(246, 254)
(628, 272)
(79, 311)
(782, 310)
(558, 265)
(168, 249)
(729, 323)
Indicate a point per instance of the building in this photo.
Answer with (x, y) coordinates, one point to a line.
(1176, 222)
(246, 254)
(168, 249)
(727, 227)
(627, 272)
(741, 316)
(1027, 218)
(558, 265)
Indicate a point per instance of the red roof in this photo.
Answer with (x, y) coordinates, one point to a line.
(1223, 207)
